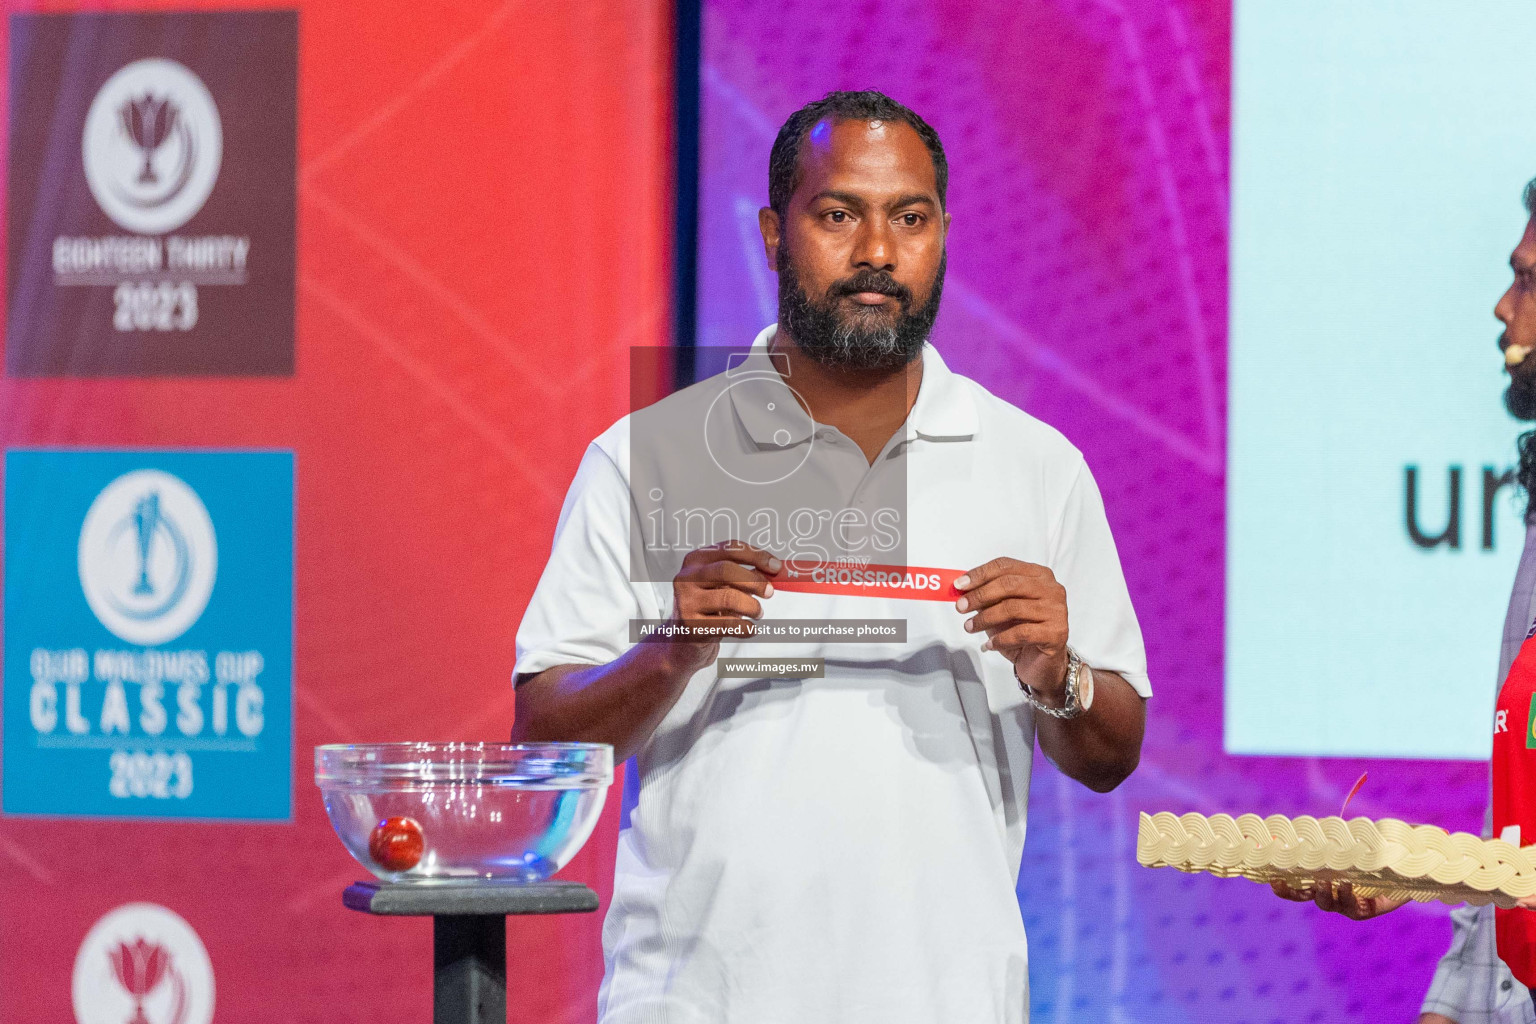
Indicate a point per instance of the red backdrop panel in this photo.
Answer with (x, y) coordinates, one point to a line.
(482, 236)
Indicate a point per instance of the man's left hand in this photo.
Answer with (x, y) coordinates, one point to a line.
(1023, 611)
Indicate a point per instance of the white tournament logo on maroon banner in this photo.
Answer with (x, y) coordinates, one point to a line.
(142, 964)
(152, 146)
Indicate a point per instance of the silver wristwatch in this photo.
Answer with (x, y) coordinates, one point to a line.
(1074, 706)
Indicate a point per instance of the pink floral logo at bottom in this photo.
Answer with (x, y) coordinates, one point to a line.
(140, 967)
(142, 964)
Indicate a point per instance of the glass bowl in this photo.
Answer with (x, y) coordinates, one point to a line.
(443, 811)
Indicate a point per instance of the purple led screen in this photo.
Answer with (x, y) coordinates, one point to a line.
(1088, 147)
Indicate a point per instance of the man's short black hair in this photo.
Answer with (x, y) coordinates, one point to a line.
(867, 105)
(1529, 197)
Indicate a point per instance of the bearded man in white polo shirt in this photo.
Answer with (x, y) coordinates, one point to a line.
(839, 843)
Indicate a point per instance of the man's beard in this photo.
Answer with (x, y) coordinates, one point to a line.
(1520, 400)
(856, 341)
(1520, 396)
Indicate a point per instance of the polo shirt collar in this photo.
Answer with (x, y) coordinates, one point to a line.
(944, 410)
(772, 418)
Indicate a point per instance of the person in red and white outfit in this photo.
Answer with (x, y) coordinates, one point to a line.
(1488, 976)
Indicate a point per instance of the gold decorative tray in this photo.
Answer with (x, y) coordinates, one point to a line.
(1381, 858)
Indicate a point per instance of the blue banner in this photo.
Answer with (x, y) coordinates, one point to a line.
(148, 634)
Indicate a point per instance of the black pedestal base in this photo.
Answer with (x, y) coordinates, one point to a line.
(469, 969)
(469, 934)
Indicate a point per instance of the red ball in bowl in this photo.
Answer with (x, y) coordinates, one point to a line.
(396, 844)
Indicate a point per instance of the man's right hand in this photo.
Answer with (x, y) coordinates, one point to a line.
(1434, 1018)
(1339, 898)
(622, 702)
(717, 591)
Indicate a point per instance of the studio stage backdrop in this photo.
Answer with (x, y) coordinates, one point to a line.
(1374, 201)
(309, 316)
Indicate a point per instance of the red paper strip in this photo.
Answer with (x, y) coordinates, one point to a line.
(1358, 783)
(904, 582)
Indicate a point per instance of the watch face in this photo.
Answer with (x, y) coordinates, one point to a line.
(1085, 687)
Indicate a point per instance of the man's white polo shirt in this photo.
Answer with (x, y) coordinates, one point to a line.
(846, 849)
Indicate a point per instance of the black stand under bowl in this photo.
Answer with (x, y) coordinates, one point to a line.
(469, 933)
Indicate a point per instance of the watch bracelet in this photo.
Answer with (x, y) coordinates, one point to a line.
(1073, 705)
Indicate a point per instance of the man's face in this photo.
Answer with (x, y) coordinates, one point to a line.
(1517, 312)
(860, 250)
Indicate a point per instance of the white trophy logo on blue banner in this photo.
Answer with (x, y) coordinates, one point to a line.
(148, 557)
